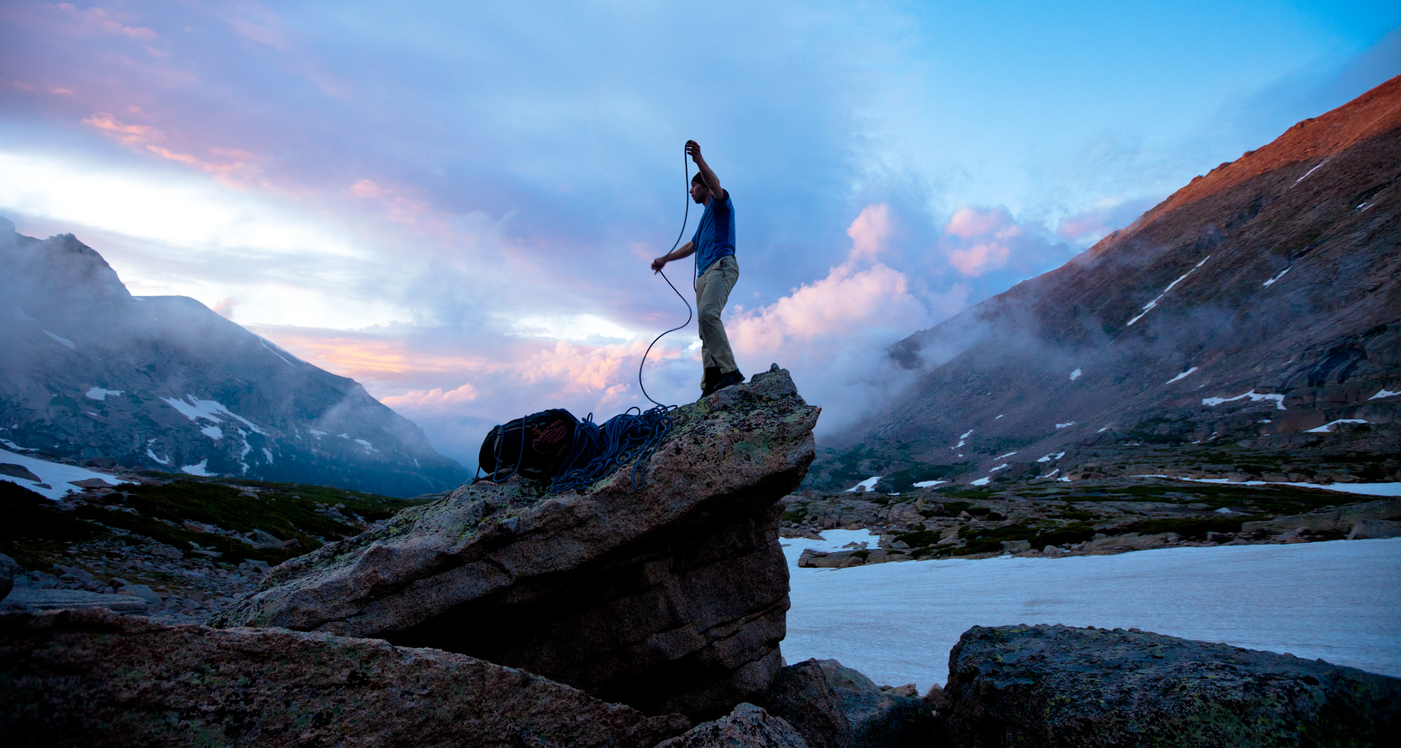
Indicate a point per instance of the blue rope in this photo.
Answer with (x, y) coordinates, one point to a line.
(599, 450)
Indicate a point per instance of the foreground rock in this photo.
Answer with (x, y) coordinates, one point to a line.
(747, 726)
(837, 707)
(669, 598)
(95, 678)
(1055, 685)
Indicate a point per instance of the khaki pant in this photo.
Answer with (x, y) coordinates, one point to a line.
(712, 291)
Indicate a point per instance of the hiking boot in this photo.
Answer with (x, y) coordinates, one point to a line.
(727, 379)
(709, 380)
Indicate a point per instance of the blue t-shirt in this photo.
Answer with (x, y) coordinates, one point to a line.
(715, 236)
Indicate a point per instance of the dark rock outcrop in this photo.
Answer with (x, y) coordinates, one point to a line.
(94, 678)
(1062, 686)
(837, 707)
(669, 598)
(747, 726)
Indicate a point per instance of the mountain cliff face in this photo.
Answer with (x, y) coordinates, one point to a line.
(91, 372)
(1250, 323)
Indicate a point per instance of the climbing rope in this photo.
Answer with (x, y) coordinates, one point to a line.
(686, 217)
(599, 450)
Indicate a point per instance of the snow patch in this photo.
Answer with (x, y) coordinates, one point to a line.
(61, 339)
(999, 416)
(967, 434)
(929, 483)
(1181, 376)
(274, 350)
(19, 314)
(981, 481)
(1003, 466)
(1254, 398)
(1052, 456)
(97, 393)
(368, 447)
(197, 469)
(1074, 375)
(213, 432)
(1384, 393)
(1271, 281)
(196, 409)
(1147, 307)
(1310, 171)
(868, 484)
(1003, 457)
(268, 454)
(1064, 425)
(1327, 428)
(153, 456)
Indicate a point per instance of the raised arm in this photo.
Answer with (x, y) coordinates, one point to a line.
(711, 181)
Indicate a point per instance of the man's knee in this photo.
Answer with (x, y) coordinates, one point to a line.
(710, 316)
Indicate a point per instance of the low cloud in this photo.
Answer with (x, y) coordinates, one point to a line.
(1088, 227)
(434, 398)
(225, 307)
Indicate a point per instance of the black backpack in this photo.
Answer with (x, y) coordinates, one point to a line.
(536, 446)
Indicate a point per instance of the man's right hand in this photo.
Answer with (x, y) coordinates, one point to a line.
(658, 264)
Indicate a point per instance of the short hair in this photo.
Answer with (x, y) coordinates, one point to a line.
(699, 179)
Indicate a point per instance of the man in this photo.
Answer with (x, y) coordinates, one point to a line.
(716, 272)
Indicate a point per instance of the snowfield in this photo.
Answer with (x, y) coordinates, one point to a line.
(55, 474)
(1339, 601)
(868, 484)
(1363, 489)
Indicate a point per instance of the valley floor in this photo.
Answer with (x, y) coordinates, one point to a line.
(1339, 601)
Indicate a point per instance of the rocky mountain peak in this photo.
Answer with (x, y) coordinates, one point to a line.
(1257, 310)
(163, 383)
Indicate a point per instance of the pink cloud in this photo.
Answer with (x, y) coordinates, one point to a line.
(232, 168)
(368, 188)
(980, 240)
(978, 259)
(868, 232)
(108, 22)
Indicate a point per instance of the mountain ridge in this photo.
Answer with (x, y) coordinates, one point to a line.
(163, 383)
(1269, 282)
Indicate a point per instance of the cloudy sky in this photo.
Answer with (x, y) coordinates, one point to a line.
(456, 203)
